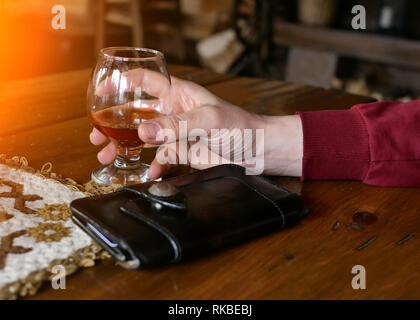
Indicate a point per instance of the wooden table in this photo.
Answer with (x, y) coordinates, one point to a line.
(44, 120)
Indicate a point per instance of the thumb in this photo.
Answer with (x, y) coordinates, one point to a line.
(176, 127)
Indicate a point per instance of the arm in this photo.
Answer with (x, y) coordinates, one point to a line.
(378, 143)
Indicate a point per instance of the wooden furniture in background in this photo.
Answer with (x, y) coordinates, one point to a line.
(201, 18)
(44, 120)
(149, 21)
(355, 44)
(362, 45)
(317, 12)
(311, 67)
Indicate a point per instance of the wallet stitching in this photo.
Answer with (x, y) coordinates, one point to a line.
(169, 235)
(238, 167)
(246, 184)
(242, 169)
(249, 186)
(267, 198)
(172, 239)
(275, 185)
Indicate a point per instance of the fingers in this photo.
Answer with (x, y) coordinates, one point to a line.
(157, 170)
(152, 82)
(166, 158)
(176, 127)
(107, 154)
(97, 138)
(170, 156)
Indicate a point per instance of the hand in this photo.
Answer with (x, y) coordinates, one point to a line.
(279, 148)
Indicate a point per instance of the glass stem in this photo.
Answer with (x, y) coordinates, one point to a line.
(128, 158)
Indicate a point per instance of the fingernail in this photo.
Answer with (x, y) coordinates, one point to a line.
(93, 134)
(149, 130)
(148, 176)
(100, 155)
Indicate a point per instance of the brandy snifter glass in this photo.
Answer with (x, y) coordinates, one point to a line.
(121, 95)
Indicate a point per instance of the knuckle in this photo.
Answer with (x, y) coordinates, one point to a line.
(173, 122)
(213, 115)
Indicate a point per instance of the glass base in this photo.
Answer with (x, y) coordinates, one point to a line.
(110, 174)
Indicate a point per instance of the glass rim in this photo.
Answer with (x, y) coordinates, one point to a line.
(156, 54)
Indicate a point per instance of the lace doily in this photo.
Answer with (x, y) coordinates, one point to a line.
(36, 232)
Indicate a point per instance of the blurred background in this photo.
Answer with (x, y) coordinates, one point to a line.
(305, 41)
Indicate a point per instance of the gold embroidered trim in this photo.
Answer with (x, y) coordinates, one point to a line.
(48, 212)
(40, 232)
(8, 247)
(4, 216)
(20, 198)
(89, 189)
(31, 284)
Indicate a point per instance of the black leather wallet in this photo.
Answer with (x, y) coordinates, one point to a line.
(158, 223)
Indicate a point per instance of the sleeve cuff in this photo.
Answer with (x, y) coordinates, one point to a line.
(335, 145)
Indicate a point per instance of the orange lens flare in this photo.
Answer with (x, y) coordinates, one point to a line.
(23, 42)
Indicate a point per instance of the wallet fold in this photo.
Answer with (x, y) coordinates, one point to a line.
(207, 210)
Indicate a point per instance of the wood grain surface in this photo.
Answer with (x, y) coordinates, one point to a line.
(44, 120)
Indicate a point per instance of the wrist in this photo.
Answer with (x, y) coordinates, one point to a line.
(283, 151)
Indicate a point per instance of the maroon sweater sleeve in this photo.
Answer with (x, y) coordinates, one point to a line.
(378, 143)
